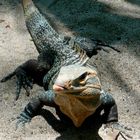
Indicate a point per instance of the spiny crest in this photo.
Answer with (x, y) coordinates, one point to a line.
(81, 52)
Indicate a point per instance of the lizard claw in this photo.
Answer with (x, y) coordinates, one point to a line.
(20, 124)
(22, 120)
(116, 130)
(23, 81)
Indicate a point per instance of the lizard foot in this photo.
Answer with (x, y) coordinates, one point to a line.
(22, 81)
(22, 120)
(115, 130)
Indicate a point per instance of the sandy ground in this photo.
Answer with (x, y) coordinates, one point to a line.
(117, 22)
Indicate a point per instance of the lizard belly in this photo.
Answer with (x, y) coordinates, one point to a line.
(77, 108)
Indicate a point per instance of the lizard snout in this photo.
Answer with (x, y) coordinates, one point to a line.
(57, 88)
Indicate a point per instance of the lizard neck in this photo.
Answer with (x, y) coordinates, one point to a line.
(76, 55)
(63, 59)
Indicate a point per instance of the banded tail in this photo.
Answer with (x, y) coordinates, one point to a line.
(43, 35)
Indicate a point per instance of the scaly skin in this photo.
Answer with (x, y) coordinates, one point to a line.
(65, 54)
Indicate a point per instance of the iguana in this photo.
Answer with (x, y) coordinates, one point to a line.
(72, 84)
(32, 71)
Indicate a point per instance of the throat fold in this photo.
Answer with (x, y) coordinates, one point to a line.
(77, 108)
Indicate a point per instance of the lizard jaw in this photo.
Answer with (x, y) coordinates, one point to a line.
(62, 90)
(57, 88)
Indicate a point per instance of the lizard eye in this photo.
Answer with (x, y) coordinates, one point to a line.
(80, 80)
(83, 76)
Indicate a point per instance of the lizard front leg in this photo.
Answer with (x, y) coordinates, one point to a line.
(110, 108)
(31, 72)
(110, 117)
(33, 107)
(22, 76)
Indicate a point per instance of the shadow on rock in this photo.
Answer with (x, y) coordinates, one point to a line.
(137, 2)
(92, 19)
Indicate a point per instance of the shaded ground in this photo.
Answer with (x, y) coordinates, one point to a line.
(116, 22)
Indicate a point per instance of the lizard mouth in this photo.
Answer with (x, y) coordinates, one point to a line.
(76, 91)
(60, 89)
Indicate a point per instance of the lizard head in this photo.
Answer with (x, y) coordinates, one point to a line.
(77, 80)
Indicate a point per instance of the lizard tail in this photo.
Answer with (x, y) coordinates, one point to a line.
(26, 3)
(41, 31)
(28, 7)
